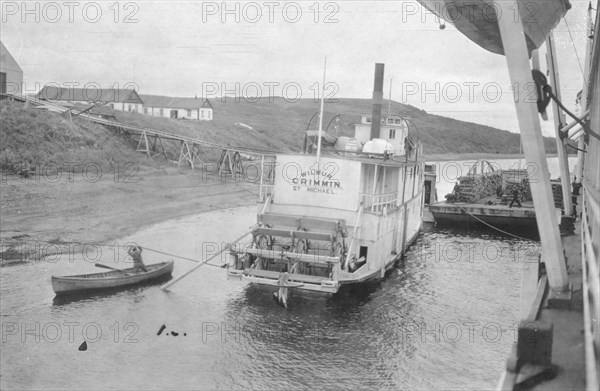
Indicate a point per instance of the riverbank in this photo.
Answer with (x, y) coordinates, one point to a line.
(56, 211)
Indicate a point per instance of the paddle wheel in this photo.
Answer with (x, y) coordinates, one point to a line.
(308, 249)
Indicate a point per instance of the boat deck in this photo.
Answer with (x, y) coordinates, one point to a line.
(567, 336)
(487, 210)
(568, 339)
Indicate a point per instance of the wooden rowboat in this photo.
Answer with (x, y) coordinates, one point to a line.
(113, 279)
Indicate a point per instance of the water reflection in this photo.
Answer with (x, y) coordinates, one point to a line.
(440, 320)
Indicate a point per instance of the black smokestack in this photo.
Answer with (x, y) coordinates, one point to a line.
(377, 101)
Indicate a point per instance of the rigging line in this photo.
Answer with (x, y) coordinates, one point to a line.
(575, 148)
(493, 227)
(575, 49)
(586, 128)
(177, 256)
(112, 246)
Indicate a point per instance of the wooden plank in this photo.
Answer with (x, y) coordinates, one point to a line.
(294, 234)
(536, 305)
(309, 223)
(273, 275)
(307, 278)
(275, 254)
(279, 220)
(263, 273)
(322, 224)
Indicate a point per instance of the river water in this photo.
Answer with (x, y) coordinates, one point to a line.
(443, 319)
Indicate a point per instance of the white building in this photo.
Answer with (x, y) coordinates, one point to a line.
(11, 74)
(394, 130)
(118, 99)
(182, 108)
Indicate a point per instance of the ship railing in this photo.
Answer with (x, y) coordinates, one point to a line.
(590, 225)
(378, 202)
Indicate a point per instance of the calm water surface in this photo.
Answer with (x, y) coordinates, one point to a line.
(443, 319)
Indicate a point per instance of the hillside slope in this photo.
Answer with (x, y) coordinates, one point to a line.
(38, 137)
(282, 124)
(34, 137)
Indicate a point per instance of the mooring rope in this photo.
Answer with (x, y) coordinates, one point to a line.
(179, 257)
(112, 246)
(494, 227)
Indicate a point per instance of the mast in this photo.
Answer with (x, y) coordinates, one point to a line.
(559, 122)
(322, 108)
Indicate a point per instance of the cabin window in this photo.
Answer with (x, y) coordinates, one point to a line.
(189, 113)
(392, 134)
(390, 120)
(210, 115)
(363, 252)
(161, 112)
(202, 113)
(145, 110)
(398, 121)
(368, 120)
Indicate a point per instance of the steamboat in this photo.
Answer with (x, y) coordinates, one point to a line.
(341, 213)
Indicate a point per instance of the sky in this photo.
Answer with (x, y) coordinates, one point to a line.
(262, 48)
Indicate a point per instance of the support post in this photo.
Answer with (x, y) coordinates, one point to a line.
(163, 148)
(515, 49)
(146, 149)
(185, 154)
(559, 122)
(589, 33)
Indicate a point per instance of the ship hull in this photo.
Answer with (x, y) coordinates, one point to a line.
(512, 220)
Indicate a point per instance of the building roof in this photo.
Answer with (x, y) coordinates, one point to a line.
(89, 95)
(169, 102)
(386, 115)
(206, 104)
(7, 61)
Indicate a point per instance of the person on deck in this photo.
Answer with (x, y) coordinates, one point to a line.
(135, 252)
(515, 198)
(456, 190)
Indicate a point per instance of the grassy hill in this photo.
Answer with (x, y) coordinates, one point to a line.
(279, 125)
(30, 136)
(33, 137)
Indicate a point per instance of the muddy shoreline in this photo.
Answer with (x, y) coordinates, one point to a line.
(46, 215)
